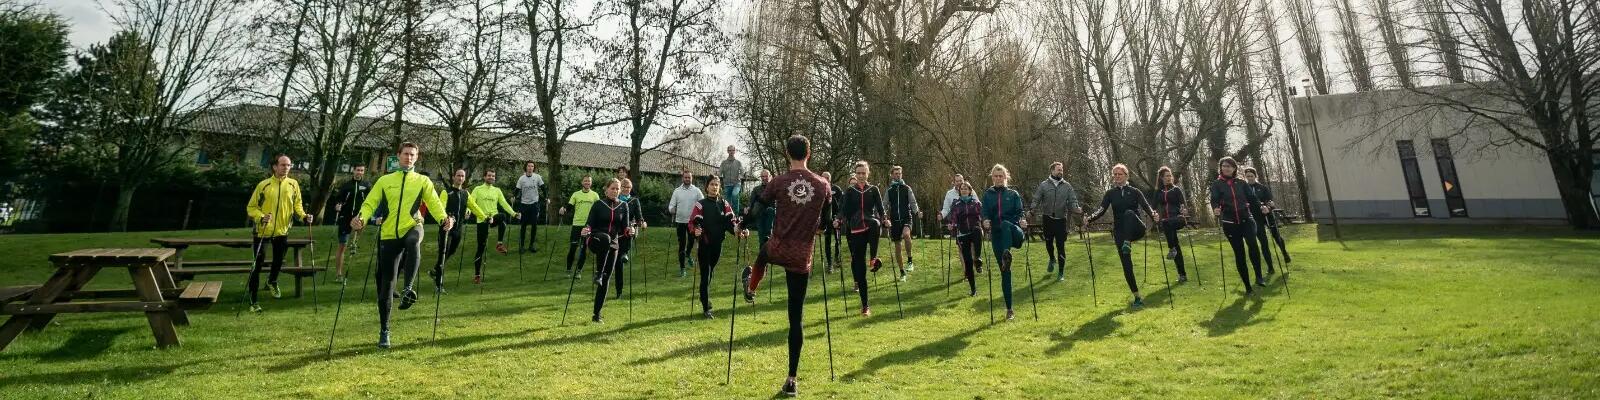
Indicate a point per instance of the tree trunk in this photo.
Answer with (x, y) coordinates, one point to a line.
(119, 215)
(1574, 180)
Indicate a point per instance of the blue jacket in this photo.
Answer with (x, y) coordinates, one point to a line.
(1002, 207)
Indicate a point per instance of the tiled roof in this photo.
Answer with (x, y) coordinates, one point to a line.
(257, 120)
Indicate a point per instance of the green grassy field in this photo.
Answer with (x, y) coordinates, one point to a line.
(1449, 312)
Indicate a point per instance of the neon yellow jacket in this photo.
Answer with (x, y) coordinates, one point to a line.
(279, 197)
(581, 201)
(399, 193)
(488, 199)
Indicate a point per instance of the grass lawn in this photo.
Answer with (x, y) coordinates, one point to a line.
(1451, 312)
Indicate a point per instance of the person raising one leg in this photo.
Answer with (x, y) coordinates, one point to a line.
(1125, 202)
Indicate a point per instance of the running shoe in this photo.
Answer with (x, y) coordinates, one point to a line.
(408, 299)
(500, 247)
(276, 293)
(383, 339)
(789, 388)
(255, 308)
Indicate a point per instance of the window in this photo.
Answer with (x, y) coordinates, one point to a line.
(1408, 163)
(201, 158)
(1447, 177)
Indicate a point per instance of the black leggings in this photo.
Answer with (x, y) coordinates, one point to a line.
(483, 233)
(605, 270)
(710, 254)
(450, 242)
(279, 245)
(574, 244)
(685, 244)
(859, 242)
(1055, 241)
(1169, 229)
(530, 221)
(971, 249)
(1264, 247)
(1125, 253)
(1284, 250)
(626, 245)
(797, 284)
(401, 255)
(830, 246)
(1237, 234)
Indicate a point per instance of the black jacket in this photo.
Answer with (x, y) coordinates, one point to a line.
(1126, 203)
(1234, 197)
(902, 204)
(351, 194)
(1169, 203)
(861, 208)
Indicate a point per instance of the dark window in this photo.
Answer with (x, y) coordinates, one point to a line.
(1448, 178)
(1408, 163)
(201, 158)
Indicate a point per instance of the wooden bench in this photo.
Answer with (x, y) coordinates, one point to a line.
(183, 269)
(154, 293)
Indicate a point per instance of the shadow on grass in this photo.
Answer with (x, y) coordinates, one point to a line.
(1103, 326)
(82, 345)
(1243, 311)
(118, 375)
(321, 355)
(942, 349)
(1411, 232)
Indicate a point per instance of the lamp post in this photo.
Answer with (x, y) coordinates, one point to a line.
(1316, 135)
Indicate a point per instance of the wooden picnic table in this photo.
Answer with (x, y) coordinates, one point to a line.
(154, 293)
(183, 269)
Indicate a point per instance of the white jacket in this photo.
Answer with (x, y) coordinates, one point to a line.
(682, 204)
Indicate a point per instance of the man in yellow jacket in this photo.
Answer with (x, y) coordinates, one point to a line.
(271, 205)
(401, 194)
(490, 200)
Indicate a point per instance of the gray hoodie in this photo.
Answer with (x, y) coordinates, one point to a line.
(1054, 198)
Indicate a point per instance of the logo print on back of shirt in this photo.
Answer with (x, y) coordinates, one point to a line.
(801, 192)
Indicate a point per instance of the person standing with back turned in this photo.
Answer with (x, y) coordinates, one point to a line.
(799, 196)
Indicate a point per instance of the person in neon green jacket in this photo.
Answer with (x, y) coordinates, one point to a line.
(488, 201)
(400, 194)
(580, 202)
(271, 206)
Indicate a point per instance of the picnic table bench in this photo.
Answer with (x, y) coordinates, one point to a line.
(183, 269)
(154, 293)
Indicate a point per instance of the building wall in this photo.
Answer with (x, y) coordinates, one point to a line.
(1358, 134)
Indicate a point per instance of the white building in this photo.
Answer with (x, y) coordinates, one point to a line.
(1395, 156)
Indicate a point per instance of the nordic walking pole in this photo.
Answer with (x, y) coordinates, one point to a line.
(339, 309)
(827, 321)
(945, 248)
(990, 274)
(1194, 256)
(1088, 249)
(1168, 279)
(438, 290)
(312, 238)
(549, 242)
(368, 279)
(1222, 269)
(1027, 265)
(522, 240)
(255, 268)
(733, 315)
(573, 282)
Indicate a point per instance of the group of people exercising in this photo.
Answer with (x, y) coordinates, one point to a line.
(788, 211)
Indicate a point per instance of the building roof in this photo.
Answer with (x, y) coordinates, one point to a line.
(256, 120)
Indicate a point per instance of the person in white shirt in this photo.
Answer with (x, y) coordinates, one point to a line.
(951, 196)
(681, 206)
(530, 205)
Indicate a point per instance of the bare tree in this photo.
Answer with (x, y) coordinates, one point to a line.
(190, 50)
(1394, 41)
(465, 91)
(1355, 47)
(1443, 36)
(567, 96)
(1308, 34)
(663, 51)
(1544, 70)
(1281, 90)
